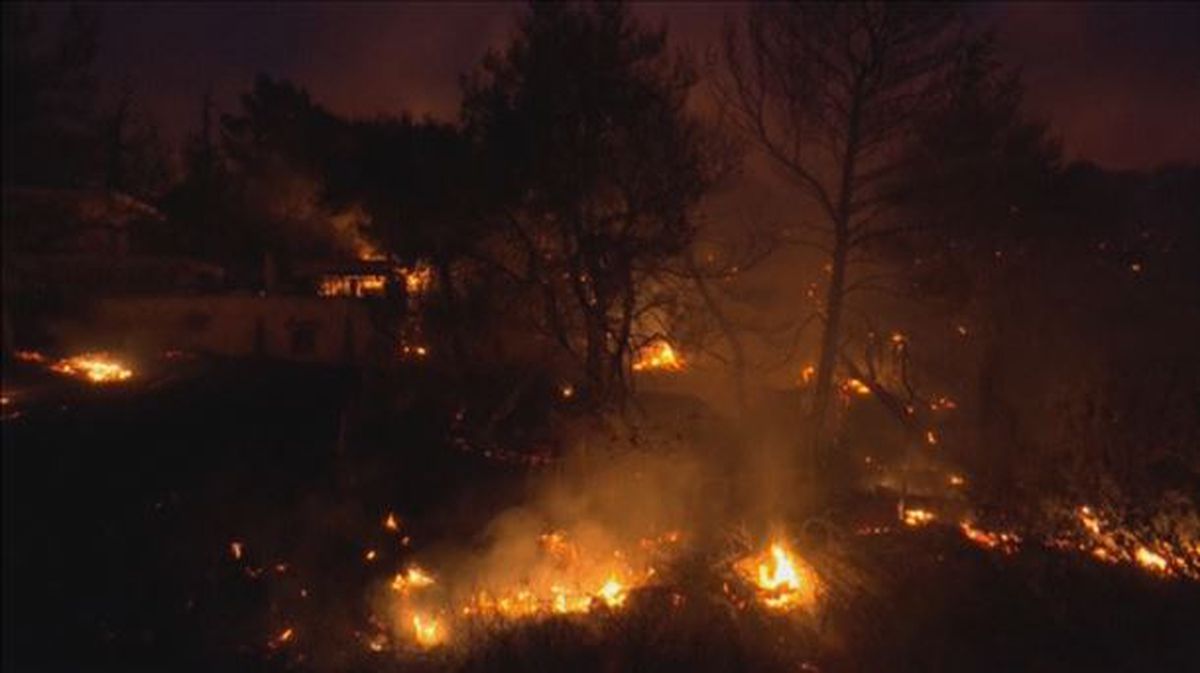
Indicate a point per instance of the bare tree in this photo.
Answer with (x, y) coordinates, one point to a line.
(831, 93)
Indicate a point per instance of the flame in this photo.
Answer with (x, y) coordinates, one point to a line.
(856, 387)
(391, 522)
(352, 285)
(1002, 541)
(418, 278)
(284, 637)
(427, 631)
(612, 593)
(931, 438)
(412, 578)
(781, 581)
(657, 354)
(807, 374)
(917, 517)
(235, 550)
(99, 368)
(29, 356)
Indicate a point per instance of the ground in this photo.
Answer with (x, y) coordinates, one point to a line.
(121, 504)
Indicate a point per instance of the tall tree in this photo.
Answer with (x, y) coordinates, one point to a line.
(583, 120)
(832, 92)
(50, 136)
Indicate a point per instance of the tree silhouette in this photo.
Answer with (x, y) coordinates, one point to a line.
(832, 93)
(582, 121)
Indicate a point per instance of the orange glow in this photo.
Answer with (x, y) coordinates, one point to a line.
(807, 374)
(427, 631)
(856, 387)
(99, 368)
(391, 522)
(658, 354)
(917, 517)
(352, 285)
(412, 578)
(781, 580)
(235, 550)
(1002, 541)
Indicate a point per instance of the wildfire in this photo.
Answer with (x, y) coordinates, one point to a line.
(916, 518)
(412, 578)
(1114, 543)
(999, 540)
(427, 631)
(418, 278)
(781, 580)
(99, 368)
(658, 354)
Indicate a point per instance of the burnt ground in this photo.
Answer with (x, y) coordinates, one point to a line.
(120, 505)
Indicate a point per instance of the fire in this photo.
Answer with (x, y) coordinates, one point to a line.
(235, 550)
(1113, 543)
(418, 279)
(352, 285)
(612, 593)
(29, 356)
(807, 374)
(98, 368)
(283, 638)
(856, 387)
(412, 578)
(1002, 541)
(1150, 560)
(391, 522)
(427, 631)
(917, 517)
(657, 354)
(931, 438)
(781, 580)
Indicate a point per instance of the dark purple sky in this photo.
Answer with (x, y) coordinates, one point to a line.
(1120, 82)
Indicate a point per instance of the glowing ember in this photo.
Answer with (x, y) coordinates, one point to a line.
(658, 354)
(917, 517)
(856, 387)
(781, 581)
(283, 638)
(1002, 541)
(931, 438)
(807, 375)
(29, 356)
(391, 522)
(97, 368)
(956, 480)
(235, 550)
(1113, 543)
(370, 555)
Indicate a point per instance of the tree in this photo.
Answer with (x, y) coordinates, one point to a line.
(832, 94)
(582, 121)
(50, 134)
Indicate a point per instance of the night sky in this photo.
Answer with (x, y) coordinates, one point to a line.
(1119, 82)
